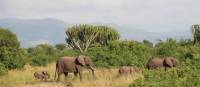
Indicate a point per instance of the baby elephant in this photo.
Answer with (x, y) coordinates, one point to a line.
(129, 70)
(41, 75)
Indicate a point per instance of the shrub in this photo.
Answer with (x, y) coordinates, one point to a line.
(10, 53)
(3, 69)
(120, 53)
(177, 77)
(42, 54)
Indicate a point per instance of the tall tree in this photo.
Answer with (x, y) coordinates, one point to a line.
(10, 53)
(8, 39)
(196, 33)
(81, 37)
(106, 34)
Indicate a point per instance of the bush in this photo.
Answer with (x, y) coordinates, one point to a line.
(10, 53)
(3, 69)
(177, 77)
(167, 48)
(186, 75)
(42, 54)
(120, 53)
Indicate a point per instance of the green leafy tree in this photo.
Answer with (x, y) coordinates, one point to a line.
(81, 37)
(106, 34)
(10, 53)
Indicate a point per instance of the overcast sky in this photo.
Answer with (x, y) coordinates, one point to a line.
(151, 15)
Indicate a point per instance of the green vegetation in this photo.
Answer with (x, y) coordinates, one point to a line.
(42, 54)
(11, 56)
(120, 53)
(102, 44)
(177, 77)
(3, 69)
(81, 37)
(186, 75)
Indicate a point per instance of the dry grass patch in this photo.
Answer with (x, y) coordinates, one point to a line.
(103, 78)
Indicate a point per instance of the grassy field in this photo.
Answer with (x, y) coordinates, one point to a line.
(103, 78)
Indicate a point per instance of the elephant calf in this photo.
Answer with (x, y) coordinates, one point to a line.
(128, 70)
(41, 75)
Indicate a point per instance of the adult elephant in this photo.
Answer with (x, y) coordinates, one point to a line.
(73, 65)
(166, 62)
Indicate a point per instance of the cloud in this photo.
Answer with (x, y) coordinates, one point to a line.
(151, 15)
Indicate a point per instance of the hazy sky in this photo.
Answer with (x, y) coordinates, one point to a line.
(151, 15)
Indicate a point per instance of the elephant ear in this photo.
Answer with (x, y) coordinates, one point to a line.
(81, 60)
(88, 61)
(168, 62)
(175, 61)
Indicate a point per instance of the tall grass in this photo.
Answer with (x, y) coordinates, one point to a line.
(103, 78)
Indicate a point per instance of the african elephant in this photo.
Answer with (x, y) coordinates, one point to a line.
(73, 65)
(155, 63)
(41, 75)
(128, 70)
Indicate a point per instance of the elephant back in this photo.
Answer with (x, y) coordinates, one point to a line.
(155, 63)
(66, 64)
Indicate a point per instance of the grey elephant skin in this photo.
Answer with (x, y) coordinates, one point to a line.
(124, 70)
(166, 62)
(74, 65)
(41, 75)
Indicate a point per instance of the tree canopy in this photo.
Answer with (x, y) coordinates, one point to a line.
(8, 38)
(10, 53)
(80, 37)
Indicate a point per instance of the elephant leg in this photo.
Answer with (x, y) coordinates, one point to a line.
(66, 74)
(80, 75)
(58, 79)
(75, 74)
(90, 67)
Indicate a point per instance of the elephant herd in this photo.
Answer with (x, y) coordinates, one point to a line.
(74, 65)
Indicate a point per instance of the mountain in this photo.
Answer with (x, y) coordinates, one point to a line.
(184, 34)
(52, 31)
(33, 32)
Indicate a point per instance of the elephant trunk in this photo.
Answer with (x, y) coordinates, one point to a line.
(90, 67)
